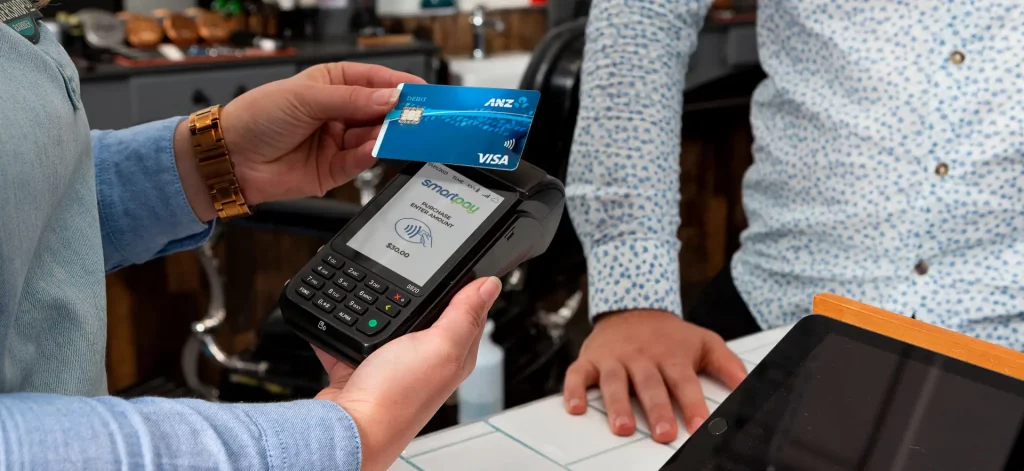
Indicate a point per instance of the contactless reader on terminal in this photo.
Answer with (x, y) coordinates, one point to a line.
(433, 229)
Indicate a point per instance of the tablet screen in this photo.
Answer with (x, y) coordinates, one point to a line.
(918, 418)
(849, 405)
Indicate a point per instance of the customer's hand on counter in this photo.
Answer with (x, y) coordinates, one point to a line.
(661, 355)
(398, 388)
(300, 136)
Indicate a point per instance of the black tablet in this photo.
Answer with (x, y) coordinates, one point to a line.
(832, 396)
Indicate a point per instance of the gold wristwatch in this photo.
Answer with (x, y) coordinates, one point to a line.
(215, 165)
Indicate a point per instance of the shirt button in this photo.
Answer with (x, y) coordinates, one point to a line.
(957, 57)
(942, 169)
(921, 268)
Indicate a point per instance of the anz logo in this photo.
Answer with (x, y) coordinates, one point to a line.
(493, 159)
(500, 102)
(506, 102)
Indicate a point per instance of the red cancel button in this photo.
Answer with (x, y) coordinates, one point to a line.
(398, 298)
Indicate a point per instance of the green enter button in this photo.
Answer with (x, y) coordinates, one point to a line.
(372, 324)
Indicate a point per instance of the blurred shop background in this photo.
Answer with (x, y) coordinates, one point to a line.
(205, 324)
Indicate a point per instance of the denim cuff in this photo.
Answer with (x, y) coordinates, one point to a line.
(144, 213)
(308, 434)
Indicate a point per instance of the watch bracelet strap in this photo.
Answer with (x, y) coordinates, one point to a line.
(215, 165)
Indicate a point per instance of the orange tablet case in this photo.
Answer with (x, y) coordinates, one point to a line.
(920, 334)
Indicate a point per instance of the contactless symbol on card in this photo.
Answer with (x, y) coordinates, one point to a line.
(477, 127)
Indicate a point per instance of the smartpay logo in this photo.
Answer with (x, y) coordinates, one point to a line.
(450, 196)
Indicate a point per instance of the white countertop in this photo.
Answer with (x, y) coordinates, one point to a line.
(541, 436)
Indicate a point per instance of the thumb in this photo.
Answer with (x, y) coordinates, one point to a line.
(339, 372)
(463, 320)
(345, 102)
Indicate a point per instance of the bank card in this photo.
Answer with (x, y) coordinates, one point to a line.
(446, 124)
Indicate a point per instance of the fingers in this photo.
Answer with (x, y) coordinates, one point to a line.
(723, 364)
(685, 387)
(344, 102)
(326, 360)
(615, 391)
(463, 320)
(650, 390)
(355, 137)
(474, 348)
(345, 165)
(363, 75)
(581, 375)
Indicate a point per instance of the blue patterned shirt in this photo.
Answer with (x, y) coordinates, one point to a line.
(888, 159)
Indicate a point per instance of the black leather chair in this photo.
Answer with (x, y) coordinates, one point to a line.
(554, 71)
(564, 11)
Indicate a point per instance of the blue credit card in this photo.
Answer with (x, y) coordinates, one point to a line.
(444, 124)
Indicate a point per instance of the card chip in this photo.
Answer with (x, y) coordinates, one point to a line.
(411, 115)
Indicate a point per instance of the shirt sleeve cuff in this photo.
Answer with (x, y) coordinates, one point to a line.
(287, 435)
(633, 274)
(144, 212)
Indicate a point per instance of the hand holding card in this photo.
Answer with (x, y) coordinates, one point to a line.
(474, 127)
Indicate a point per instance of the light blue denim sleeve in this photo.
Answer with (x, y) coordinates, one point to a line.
(46, 431)
(144, 213)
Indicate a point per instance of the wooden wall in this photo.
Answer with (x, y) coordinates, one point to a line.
(149, 309)
(715, 154)
(523, 30)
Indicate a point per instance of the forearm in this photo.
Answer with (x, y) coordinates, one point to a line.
(39, 431)
(145, 204)
(623, 182)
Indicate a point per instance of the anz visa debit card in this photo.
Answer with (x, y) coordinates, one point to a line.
(444, 124)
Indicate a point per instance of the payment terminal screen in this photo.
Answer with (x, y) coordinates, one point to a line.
(425, 222)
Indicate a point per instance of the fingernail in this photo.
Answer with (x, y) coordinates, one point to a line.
(574, 404)
(385, 97)
(490, 289)
(662, 429)
(621, 424)
(694, 424)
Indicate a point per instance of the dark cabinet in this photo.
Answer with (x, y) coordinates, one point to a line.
(116, 102)
(162, 96)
